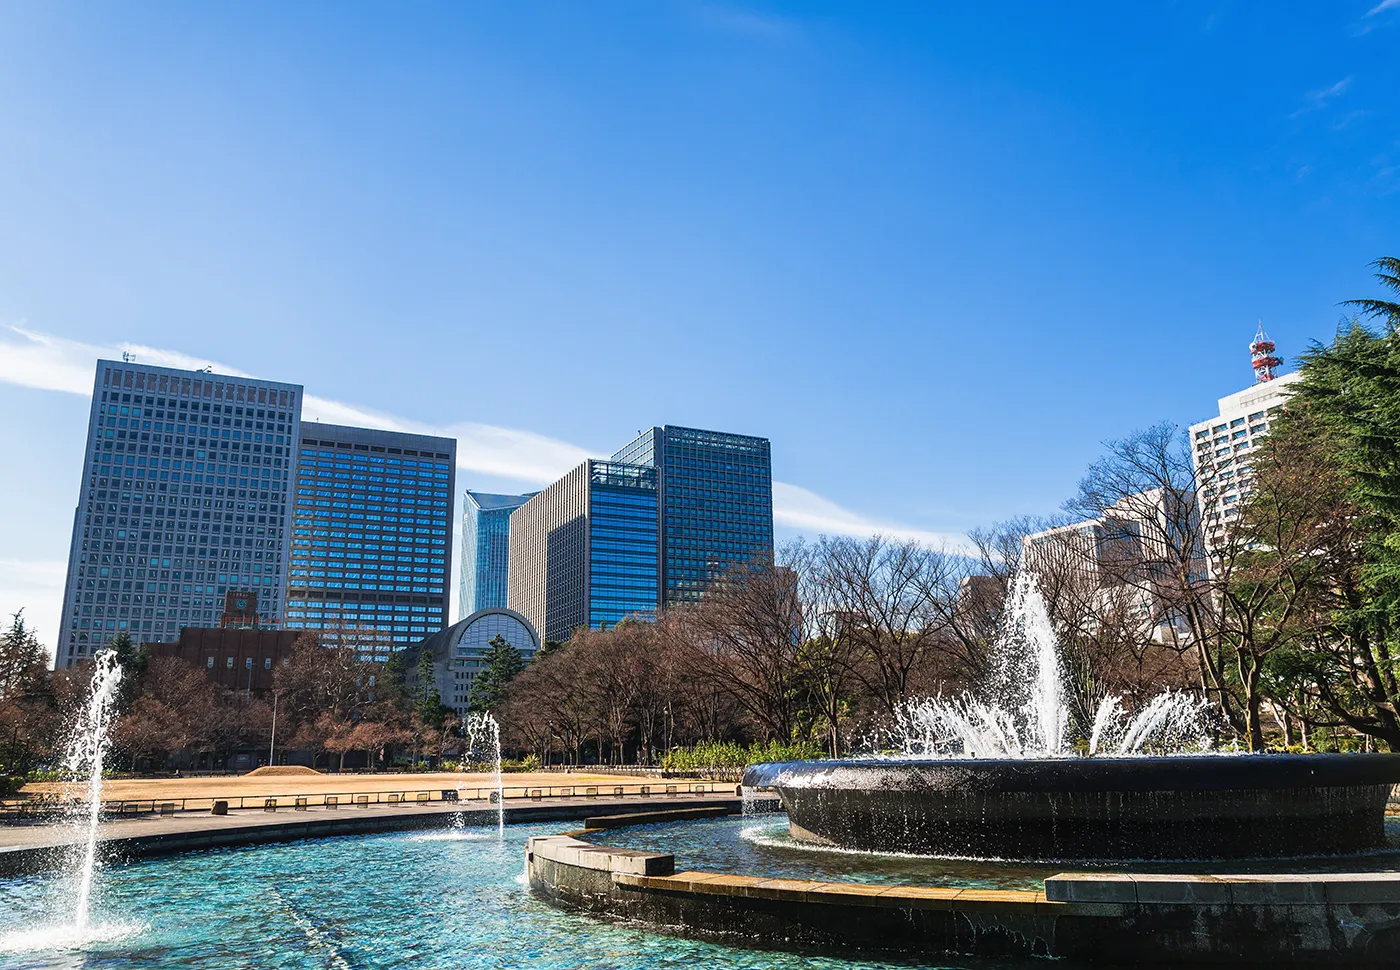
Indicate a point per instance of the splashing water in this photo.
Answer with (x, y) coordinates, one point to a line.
(1172, 720)
(86, 751)
(83, 762)
(1026, 712)
(483, 736)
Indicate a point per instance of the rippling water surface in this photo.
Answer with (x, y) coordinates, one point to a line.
(452, 898)
(448, 899)
(759, 845)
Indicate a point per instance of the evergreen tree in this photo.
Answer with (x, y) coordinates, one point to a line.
(503, 664)
(427, 701)
(1388, 272)
(133, 661)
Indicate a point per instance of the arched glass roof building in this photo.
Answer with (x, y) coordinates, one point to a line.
(459, 651)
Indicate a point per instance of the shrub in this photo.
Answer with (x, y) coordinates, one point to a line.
(729, 755)
(530, 762)
(11, 784)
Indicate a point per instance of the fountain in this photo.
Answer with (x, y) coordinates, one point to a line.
(482, 731)
(994, 776)
(83, 762)
(87, 749)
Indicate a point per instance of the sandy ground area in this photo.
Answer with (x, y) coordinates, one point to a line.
(127, 789)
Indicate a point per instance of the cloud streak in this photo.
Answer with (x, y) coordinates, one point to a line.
(1383, 6)
(1319, 99)
(805, 511)
(43, 361)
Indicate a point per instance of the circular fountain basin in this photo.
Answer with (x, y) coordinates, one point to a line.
(1182, 807)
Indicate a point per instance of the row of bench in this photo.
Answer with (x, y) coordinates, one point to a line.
(423, 797)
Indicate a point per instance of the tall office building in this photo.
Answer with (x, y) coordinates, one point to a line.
(583, 552)
(715, 508)
(371, 535)
(485, 549)
(1221, 446)
(184, 497)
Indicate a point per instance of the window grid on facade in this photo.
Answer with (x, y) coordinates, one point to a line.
(184, 496)
(371, 536)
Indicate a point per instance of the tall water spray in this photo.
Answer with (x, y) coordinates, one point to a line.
(484, 734)
(1024, 711)
(87, 748)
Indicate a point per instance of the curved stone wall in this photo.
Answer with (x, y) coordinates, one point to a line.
(1209, 807)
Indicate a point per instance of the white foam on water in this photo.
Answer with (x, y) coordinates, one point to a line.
(67, 936)
(457, 836)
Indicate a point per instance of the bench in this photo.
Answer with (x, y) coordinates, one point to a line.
(394, 798)
(300, 805)
(332, 801)
(591, 791)
(167, 808)
(423, 797)
(617, 790)
(536, 794)
(362, 801)
(670, 789)
(269, 804)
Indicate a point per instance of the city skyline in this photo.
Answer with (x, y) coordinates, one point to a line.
(937, 232)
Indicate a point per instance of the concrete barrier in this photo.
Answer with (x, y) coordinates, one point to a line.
(1120, 919)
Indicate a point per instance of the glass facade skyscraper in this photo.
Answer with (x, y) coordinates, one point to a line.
(485, 549)
(583, 552)
(371, 535)
(715, 504)
(622, 550)
(184, 497)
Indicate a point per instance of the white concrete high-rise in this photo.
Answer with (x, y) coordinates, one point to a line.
(184, 497)
(1221, 449)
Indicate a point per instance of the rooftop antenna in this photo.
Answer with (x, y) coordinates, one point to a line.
(128, 357)
(1261, 353)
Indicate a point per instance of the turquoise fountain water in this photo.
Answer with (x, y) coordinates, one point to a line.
(440, 899)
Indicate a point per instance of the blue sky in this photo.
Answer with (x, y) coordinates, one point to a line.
(936, 252)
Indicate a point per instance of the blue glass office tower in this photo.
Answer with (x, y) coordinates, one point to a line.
(371, 535)
(583, 552)
(485, 549)
(715, 504)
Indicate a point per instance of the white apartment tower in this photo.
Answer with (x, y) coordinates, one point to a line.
(1222, 446)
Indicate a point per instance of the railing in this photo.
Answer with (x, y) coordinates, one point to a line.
(43, 807)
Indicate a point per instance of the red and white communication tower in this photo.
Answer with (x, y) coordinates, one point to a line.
(1261, 351)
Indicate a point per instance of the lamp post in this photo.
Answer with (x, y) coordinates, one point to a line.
(272, 745)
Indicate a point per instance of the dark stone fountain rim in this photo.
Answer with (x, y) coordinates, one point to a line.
(1216, 772)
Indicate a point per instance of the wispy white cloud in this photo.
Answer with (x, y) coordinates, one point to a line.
(1319, 99)
(37, 588)
(1383, 6)
(30, 358)
(51, 363)
(806, 511)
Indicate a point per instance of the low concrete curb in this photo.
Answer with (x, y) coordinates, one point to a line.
(1246, 920)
